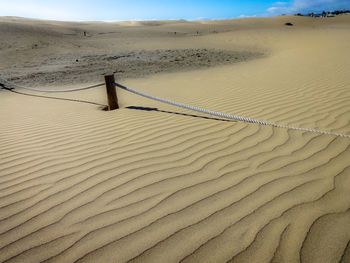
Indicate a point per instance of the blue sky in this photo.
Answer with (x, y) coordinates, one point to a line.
(111, 10)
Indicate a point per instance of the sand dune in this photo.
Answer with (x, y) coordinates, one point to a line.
(81, 184)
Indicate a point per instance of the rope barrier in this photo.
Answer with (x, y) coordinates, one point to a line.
(222, 115)
(55, 98)
(9, 86)
(12, 85)
(226, 115)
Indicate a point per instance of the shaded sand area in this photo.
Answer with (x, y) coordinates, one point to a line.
(81, 184)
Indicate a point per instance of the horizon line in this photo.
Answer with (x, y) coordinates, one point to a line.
(153, 19)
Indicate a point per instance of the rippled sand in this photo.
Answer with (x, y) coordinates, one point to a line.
(81, 184)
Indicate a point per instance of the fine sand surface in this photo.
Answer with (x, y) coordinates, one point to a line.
(81, 184)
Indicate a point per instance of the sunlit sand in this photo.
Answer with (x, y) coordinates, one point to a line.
(82, 184)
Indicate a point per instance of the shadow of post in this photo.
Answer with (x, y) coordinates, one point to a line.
(176, 113)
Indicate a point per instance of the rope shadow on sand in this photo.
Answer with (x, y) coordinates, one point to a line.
(176, 113)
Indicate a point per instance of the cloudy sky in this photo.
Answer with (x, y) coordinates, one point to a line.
(113, 10)
(307, 6)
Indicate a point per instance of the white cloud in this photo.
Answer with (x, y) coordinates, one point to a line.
(35, 10)
(308, 6)
(246, 16)
(278, 10)
(281, 3)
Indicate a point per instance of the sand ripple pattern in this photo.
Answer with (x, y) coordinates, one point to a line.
(78, 184)
(140, 187)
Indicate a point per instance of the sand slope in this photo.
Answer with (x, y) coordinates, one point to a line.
(81, 184)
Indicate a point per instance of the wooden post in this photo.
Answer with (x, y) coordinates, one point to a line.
(111, 93)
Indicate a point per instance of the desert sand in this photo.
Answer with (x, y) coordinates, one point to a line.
(82, 184)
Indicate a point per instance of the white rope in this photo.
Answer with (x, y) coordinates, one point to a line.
(227, 116)
(12, 85)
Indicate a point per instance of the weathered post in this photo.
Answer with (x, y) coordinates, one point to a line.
(111, 93)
